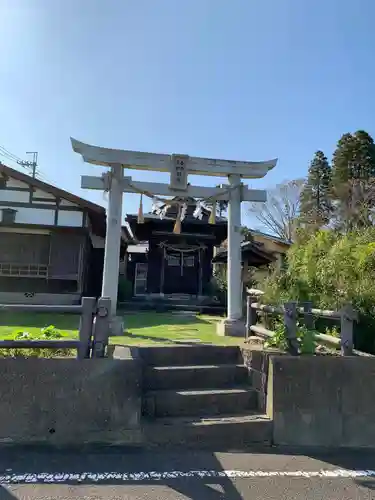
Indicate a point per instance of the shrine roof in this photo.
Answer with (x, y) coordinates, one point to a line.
(155, 217)
(250, 252)
(172, 211)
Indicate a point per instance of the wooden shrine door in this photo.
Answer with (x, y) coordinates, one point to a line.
(181, 272)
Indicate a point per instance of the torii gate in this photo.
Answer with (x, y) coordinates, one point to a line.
(179, 167)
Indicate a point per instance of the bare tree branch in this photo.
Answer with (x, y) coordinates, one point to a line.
(280, 212)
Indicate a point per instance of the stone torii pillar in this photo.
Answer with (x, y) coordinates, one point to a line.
(179, 167)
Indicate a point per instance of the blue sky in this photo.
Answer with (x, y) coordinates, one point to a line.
(236, 79)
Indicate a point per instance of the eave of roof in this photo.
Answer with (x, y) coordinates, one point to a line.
(248, 248)
(270, 237)
(59, 193)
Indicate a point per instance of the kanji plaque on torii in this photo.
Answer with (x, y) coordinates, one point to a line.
(179, 166)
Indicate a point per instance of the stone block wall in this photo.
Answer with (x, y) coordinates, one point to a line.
(69, 401)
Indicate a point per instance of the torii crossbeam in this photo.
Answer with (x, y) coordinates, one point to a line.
(179, 166)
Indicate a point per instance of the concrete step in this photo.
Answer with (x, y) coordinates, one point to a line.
(194, 377)
(190, 355)
(230, 433)
(208, 402)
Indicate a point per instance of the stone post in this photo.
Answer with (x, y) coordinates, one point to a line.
(233, 324)
(308, 318)
(251, 316)
(113, 238)
(348, 316)
(101, 331)
(86, 327)
(290, 323)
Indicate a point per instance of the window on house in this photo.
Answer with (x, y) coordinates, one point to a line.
(189, 260)
(173, 260)
(8, 216)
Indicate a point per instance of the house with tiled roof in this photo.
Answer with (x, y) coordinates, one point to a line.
(51, 242)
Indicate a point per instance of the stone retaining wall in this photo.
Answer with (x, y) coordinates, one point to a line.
(322, 401)
(66, 401)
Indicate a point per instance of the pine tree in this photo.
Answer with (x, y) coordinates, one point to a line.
(364, 156)
(316, 204)
(353, 174)
(342, 162)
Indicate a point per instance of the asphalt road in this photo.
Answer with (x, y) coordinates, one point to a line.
(151, 475)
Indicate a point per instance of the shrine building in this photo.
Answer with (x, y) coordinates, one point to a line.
(174, 262)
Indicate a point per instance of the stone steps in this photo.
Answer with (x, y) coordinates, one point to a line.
(195, 377)
(190, 355)
(207, 402)
(217, 433)
(200, 396)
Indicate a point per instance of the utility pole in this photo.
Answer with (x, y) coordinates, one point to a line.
(31, 164)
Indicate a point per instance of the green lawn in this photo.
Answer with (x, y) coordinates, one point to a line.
(141, 328)
(10, 323)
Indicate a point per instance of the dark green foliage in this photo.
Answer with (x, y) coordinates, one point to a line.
(217, 287)
(305, 337)
(331, 269)
(316, 195)
(342, 161)
(353, 174)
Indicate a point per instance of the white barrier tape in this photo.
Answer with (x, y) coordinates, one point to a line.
(102, 477)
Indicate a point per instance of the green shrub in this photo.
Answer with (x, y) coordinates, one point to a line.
(47, 333)
(331, 269)
(217, 287)
(305, 337)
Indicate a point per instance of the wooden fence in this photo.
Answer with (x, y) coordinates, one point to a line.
(93, 329)
(292, 311)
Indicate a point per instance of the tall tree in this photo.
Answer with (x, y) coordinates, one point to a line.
(316, 203)
(353, 174)
(279, 214)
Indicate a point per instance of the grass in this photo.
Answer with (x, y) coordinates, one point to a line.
(149, 328)
(10, 323)
(141, 328)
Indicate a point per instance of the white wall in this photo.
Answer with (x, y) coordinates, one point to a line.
(69, 218)
(29, 215)
(14, 183)
(38, 193)
(66, 203)
(19, 196)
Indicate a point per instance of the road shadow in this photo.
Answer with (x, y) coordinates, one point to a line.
(360, 460)
(169, 469)
(198, 475)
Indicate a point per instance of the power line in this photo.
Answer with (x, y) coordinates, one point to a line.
(30, 164)
(8, 155)
(27, 165)
(5, 152)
